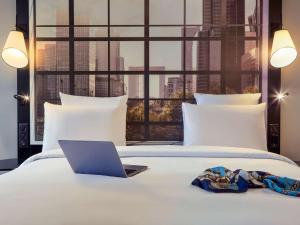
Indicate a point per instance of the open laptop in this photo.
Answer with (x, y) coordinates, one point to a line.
(97, 157)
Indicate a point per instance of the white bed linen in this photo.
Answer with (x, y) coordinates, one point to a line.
(45, 191)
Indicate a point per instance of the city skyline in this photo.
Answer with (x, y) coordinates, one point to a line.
(206, 52)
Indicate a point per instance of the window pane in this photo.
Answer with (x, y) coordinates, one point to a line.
(203, 55)
(49, 12)
(166, 54)
(126, 31)
(127, 55)
(250, 83)
(174, 9)
(117, 85)
(194, 11)
(90, 85)
(233, 82)
(135, 132)
(99, 85)
(202, 83)
(214, 55)
(52, 56)
(90, 12)
(91, 55)
(90, 32)
(166, 31)
(52, 31)
(241, 83)
(135, 111)
(251, 12)
(250, 58)
(125, 12)
(194, 55)
(47, 88)
(166, 132)
(131, 85)
(240, 54)
(166, 86)
(190, 86)
(165, 110)
(134, 86)
(215, 84)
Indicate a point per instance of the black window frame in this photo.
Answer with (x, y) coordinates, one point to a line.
(147, 73)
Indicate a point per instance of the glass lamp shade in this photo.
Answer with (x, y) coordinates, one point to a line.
(283, 49)
(14, 52)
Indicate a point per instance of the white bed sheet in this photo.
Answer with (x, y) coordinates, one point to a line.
(44, 190)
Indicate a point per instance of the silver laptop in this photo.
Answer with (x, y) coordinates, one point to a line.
(97, 157)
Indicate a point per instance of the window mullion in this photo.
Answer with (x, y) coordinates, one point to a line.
(146, 68)
(108, 46)
(71, 47)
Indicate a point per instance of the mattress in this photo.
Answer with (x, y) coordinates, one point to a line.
(44, 190)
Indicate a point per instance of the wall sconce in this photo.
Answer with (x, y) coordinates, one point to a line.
(23, 99)
(283, 49)
(14, 52)
(15, 55)
(281, 96)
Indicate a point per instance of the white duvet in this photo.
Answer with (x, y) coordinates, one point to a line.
(44, 190)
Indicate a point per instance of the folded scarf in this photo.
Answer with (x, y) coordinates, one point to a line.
(220, 180)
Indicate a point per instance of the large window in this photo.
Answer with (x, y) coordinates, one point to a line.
(158, 52)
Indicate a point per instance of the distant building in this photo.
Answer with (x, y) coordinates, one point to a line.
(249, 62)
(189, 50)
(101, 64)
(232, 44)
(174, 87)
(117, 80)
(116, 64)
(134, 79)
(133, 87)
(62, 55)
(82, 60)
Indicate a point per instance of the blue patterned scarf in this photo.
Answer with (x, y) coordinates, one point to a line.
(220, 180)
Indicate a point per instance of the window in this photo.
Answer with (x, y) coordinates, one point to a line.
(159, 59)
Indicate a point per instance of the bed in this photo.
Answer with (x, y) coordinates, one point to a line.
(44, 190)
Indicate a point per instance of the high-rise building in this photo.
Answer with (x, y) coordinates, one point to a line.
(116, 64)
(174, 87)
(249, 62)
(101, 81)
(134, 79)
(190, 47)
(133, 87)
(82, 58)
(219, 12)
(135, 83)
(203, 53)
(117, 80)
(62, 55)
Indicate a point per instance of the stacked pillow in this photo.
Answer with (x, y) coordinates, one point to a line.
(225, 120)
(85, 118)
(233, 99)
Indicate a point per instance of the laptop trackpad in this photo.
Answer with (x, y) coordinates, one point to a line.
(132, 170)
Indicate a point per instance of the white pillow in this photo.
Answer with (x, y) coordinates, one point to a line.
(231, 126)
(92, 101)
(83, 123)
(234, 99)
